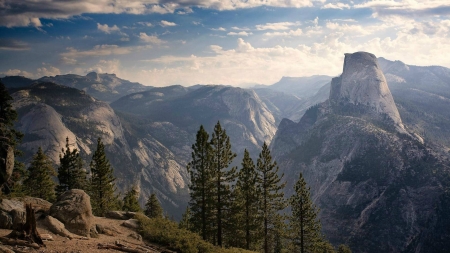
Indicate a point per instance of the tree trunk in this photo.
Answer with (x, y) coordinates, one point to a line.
(27, 232)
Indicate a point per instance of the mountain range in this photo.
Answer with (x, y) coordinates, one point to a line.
(373, 143)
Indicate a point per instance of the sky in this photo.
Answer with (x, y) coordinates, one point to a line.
(231, 42)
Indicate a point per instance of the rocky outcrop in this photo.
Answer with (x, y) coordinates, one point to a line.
(57, 227)
(73, 208)
(363, 84)
(12, 214)
(377, 187)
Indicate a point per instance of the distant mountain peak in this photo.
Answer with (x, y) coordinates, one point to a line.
(363, 84)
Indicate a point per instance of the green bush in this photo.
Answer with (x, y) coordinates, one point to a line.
(166, 233)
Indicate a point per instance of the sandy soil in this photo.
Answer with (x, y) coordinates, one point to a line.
(65, 245)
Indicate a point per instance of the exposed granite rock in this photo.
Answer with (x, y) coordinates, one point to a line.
(12, 213)
(363, 84)
(73, 208)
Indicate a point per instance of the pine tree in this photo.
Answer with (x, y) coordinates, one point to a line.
(9, 139)
(221, 159)
(153, 208)
(70, 172)
(246, 202)
(272, 198)
(305, 226)
(130, 201)
(39, 182)
(201, 186)
(102, 186)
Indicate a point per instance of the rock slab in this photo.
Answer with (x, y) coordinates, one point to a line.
(73, 208)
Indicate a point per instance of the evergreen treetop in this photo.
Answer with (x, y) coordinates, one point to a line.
(222, 157)
(271, 196)
(70, 171)
(153, 208)
(39, 182)
(102, 186)
(246, 202)
(202, 185)
(305, 226)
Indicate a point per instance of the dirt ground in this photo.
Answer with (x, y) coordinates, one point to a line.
(64, 245)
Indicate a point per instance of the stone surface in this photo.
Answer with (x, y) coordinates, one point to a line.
(131, 223)
(57, 227)
(135, 236)
(362, 83)
(73, 208)
(39, 205)
(12, 213)
(5, 249)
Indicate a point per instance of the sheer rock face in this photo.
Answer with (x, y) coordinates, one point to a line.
(362, 83)
(378, 190)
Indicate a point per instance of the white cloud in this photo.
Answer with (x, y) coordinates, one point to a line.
(277, 26)
(153, 39)
(48, 71)
(407, 8)
(186, 10)
(99, 50)
(165, 23)
(110, 67)
(240, 28)
(219, 29)
(68, 61)
(17, 72)
(339, 6)
(108, 29)
(297, 32)
(148, 24)
(242, 33)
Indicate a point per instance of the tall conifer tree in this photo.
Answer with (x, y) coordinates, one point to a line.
(201, 186)
(221, 159)
(70, 172)
(305, 226)
(102, 186)
(272, 198)
(153, 208)
(39, 182)
(246, 201)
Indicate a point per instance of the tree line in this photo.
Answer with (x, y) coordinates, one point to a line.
(246, 208)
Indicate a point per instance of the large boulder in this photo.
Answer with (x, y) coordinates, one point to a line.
(12, 213)
(73, 208)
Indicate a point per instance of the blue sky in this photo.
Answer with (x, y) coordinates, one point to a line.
(235, 42)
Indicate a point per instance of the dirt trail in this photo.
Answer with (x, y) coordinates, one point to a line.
(64, 245)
